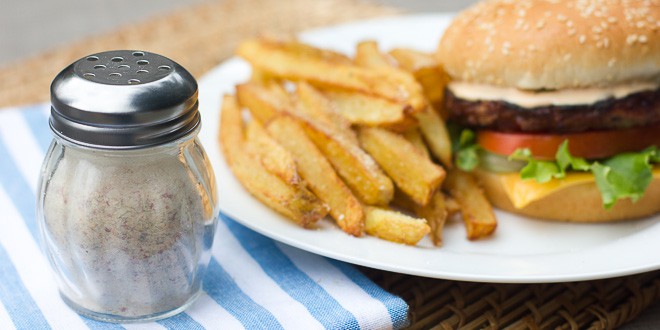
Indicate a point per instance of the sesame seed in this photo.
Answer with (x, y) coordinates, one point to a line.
(540, 24)
(571, 32)
(596, 29)
(582, 38)
(642, 39)
(561, 17)
(611, 19)
(631, 39)
(569, 24)
(506, 48)
(611, 62)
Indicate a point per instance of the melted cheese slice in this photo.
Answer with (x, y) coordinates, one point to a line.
(522, 192)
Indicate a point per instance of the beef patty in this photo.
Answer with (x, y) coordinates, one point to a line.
(638, 109)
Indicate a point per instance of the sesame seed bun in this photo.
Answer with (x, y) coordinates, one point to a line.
(552, 44)
(579, 203)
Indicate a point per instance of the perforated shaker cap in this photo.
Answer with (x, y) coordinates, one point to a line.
(123, 100)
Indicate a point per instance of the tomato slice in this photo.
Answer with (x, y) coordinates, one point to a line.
(590, 145)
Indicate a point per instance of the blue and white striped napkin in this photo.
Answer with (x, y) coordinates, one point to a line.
(252, 282)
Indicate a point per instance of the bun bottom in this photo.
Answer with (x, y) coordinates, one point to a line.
(579, 203)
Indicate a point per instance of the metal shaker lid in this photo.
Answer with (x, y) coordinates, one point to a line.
(123, 100)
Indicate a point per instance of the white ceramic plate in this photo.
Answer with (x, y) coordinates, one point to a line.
(522, 250)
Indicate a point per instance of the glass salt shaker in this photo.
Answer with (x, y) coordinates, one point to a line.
(127, 203)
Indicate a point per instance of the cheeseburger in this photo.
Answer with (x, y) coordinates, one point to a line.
(559, 105)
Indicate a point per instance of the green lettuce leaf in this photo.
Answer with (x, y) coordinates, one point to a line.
(625, 175)
(622, 176)
(465, 148)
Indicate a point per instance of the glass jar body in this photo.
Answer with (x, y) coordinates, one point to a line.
(128, 232)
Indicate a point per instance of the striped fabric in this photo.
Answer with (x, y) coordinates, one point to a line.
(253, 282)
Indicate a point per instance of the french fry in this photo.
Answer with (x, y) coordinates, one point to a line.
(368, 56)
(275, 158)
(413, 173)
(431, 125)
(394, 226)
(436, 136)
(435, 213)
(293, 66)
(415, 137)
(367, 110)
(354, 165)
(263, 102)
(427, 71)
(314, 105)
(293, 201)
(294, 46)
(322, 179)
(451, 205)
(477, 212)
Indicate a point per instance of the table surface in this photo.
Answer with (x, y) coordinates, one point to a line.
(22, 34)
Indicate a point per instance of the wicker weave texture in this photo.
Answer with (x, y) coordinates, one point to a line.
(198, 38)
(601, 304)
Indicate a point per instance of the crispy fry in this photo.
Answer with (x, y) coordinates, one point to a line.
(316, 106)
(452, 205)
(293, 201)
(394, 226)
(414, 174)
(319, 174)
(294, 46)
(413, 60)
(259, 77)
(436, 136)
(356, 167)
(435, 213)
(286, 64)
(263, 102)
(275, 158)
(415, 137)
(366, 110)
(431, 125)
(476, 210)
(368, 56)
(427, 71)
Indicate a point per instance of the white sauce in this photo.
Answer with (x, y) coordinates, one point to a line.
(531, 99)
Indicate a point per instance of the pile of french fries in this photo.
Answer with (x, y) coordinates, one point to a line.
(316, 133)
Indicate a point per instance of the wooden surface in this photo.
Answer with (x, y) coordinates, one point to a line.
(200, 37)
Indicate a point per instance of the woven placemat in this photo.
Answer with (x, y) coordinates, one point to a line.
(202, 36)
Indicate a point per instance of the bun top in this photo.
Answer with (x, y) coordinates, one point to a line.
(552, 44)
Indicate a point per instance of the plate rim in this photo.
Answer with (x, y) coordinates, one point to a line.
(306, 245)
